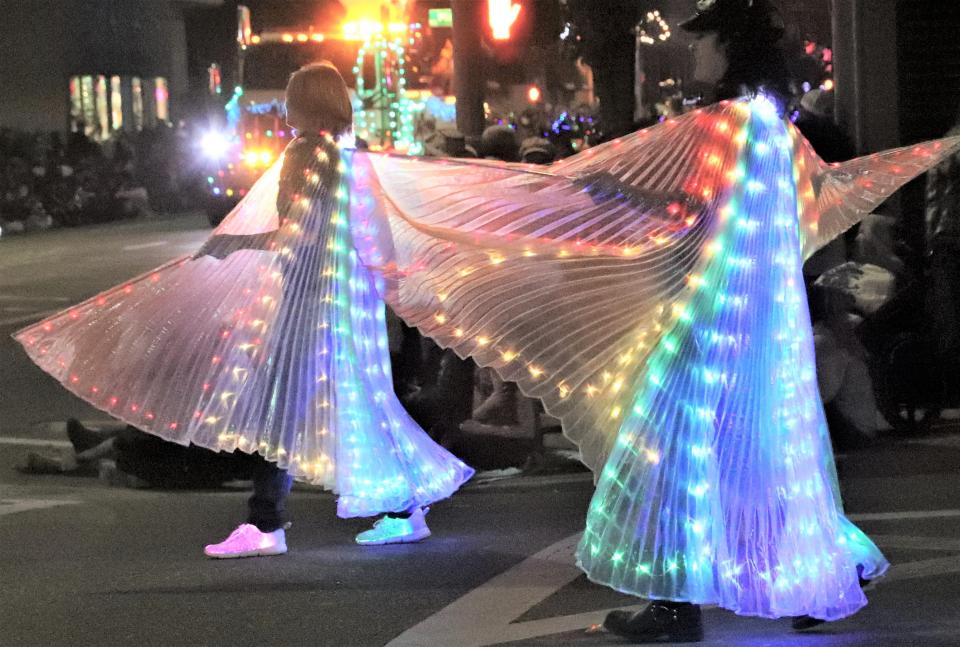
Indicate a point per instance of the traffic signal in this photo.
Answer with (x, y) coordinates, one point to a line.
(501, 15)
(507, 27)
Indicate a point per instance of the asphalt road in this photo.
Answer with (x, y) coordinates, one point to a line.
(84, 563)
(45, 272)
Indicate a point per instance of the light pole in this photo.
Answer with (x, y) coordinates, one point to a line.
(467, 72)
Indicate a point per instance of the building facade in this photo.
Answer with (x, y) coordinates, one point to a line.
(100, 65)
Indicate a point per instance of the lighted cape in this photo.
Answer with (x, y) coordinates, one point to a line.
(650, 292)
(270, 339)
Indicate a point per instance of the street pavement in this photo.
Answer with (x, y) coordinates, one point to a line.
(44, 272)
(84, 563)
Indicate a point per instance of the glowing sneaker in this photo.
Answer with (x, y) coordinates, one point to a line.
(393, 530)
(248, 541)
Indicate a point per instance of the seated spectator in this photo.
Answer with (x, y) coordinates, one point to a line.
(500, 142)
(536, 150)
(140, 460)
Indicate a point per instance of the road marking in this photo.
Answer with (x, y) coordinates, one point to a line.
(894, 516)
(12, 506)
(922, 568)
(35, 442)
(483, 616)
(131, 248)
(14, 297)
(36, 316)
(918, 543)
(520, 481)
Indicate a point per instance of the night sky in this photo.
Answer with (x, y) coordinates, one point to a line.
(211, 32)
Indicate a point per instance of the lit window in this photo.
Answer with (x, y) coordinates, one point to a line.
(76, 102)
(162, 95)
(116, 104)
(103, 112)
(136, 88)
(89, 108)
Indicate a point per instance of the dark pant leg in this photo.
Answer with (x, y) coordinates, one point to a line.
(271, 485)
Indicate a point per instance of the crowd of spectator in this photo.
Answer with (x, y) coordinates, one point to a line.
(47, 180)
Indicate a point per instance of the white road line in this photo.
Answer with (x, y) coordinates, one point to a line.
(13, 297)
(12, 506)
(483, 616)
(923, 568)
(550, 626)
(130, 248)
(22, 319)
(945, 544)
(530, 481)
(35, 442)
(896, 516)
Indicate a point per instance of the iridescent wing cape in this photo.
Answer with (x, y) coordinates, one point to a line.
(270, 339)
(565, 277)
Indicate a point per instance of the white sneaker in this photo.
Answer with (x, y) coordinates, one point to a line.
(248, 541)
(393, 530)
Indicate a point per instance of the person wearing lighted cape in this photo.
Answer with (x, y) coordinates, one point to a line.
(271, 339)
(650, 292)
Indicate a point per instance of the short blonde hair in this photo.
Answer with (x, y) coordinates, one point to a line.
(317, 100)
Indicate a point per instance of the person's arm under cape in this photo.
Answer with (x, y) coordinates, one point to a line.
(253, 223)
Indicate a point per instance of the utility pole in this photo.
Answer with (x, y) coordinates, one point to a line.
(467, 68)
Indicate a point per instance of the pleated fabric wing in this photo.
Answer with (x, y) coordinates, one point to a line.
(271, 339)
(565, 277)
(650, 292)
(561, 278)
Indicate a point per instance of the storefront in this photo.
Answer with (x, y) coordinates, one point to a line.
(104, 104)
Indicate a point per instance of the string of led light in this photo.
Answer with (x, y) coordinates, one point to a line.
(384, 114)
(645, 29)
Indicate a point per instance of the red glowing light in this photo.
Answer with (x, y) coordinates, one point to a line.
(502, 14)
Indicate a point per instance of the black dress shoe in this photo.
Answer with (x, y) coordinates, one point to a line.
(659, 621)
(802, 623)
